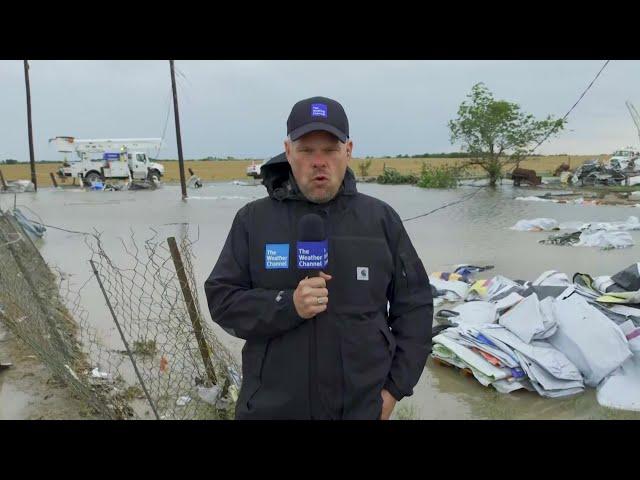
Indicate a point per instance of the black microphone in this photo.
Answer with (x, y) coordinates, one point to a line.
(312, 249)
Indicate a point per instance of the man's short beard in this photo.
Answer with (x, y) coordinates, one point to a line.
(326, 196)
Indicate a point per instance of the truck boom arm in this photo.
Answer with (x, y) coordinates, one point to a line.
(80, 146)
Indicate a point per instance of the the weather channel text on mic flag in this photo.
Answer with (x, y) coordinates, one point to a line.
(312, 255)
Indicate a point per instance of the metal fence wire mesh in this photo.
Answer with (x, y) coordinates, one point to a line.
(163, 361)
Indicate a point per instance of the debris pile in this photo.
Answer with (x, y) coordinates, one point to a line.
(553, 336)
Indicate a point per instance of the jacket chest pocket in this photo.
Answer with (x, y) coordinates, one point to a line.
(361, 269)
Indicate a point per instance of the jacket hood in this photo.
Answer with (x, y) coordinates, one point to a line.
(278, 179)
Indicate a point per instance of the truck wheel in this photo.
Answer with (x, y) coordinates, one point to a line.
(92, 177)
(154, 176)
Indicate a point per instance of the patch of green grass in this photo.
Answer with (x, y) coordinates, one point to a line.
(133, 392)
(443, 176)
(407, 411)
(144, 347)
(391, 176)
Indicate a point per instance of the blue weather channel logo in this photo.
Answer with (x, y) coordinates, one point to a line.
(318, 110)
(276, 255)
(312, 255)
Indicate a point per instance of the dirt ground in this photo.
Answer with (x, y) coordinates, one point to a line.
(28, 391)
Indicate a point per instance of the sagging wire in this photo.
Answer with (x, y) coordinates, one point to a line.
(166, 122)
(574, 105)
(463, 199)
(63, 229)
(467, 197)
(183, 90)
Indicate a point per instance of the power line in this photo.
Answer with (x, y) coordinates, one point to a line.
(574, 105)
(467, 197)
(166, 121)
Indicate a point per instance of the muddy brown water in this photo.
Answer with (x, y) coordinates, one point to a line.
(475, 231)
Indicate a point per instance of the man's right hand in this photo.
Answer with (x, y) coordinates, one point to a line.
(311, 296)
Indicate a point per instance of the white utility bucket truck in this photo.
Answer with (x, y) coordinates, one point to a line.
(123, 158)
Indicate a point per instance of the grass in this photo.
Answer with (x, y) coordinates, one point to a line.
(392, 176)
(225, 170)
(439, 177)
(144, 347)
(133, 392)
(406, 411)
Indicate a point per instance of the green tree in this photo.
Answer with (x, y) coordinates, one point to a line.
(496, 133)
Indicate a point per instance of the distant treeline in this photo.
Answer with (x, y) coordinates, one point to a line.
(207, 159)
(11, 161)
(441, 155)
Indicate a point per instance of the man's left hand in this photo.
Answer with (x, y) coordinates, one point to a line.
(388, 404)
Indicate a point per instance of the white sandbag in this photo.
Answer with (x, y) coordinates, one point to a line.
(507, 302)
(471, 358)
(473, 314)
(588, 338)
(541, 352)
(621, 390)
(546, 384)
(552, 278)
(605, 240)
(506, 386)
(458, 288)
(548, 320)
(525, 319)
(630, 224)
(536, 225)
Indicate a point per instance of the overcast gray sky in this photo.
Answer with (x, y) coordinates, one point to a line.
(239, 108)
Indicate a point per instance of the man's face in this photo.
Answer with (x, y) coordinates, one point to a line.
(318, 161)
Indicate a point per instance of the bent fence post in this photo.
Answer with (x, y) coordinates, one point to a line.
(191, 308)
(124, 340)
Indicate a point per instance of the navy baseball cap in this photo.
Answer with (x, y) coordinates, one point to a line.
(318, 113)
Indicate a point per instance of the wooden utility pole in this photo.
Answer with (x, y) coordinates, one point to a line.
(31, 156)
(178, 137)
(3, 183)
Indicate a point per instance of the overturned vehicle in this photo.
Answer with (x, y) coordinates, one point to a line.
(592, 173)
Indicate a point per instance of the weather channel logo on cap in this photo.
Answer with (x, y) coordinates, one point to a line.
(318, 110)
(276, 255)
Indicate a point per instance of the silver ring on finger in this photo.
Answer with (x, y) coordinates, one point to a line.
(320, 300)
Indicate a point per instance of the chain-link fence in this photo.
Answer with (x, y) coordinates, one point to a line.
(31, 305)
(164, 361)
(153, 298)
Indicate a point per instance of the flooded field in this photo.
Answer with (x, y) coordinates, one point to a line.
(475, 231)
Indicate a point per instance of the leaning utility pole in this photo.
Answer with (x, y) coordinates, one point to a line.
(178, 137)
(31, 156)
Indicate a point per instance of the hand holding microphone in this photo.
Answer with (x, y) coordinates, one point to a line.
(311, 296)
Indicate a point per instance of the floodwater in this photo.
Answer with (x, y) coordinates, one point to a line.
(475, 231)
